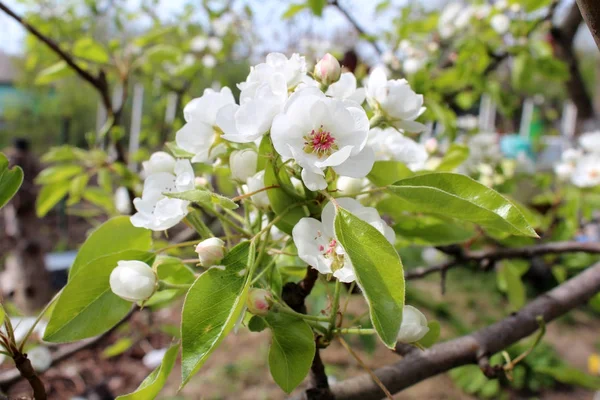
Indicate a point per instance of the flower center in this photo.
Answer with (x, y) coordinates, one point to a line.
(319, 142)
(594, 173)
(328, 251)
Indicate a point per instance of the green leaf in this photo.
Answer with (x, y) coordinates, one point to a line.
(387, 172)
(53, 73)
(292, 350)
(432, 336)
(170, 270)
(317, 6)
(379, 272)
(113, 236)
(382, 6)
(570, 376)
(87, 306)
(428, 230)
(161, 53)
(458, 196)
(204, 197)
(90, 50)
(119, 347)
(100, 198)
(515, 290)
(257, 324)
(10, 180)
(49, 196)
(454, 157)
(292, 10)
(212, 307)
(152, 385)
(2, 314)
(280, 198)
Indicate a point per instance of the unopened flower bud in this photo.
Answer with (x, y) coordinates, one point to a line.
(348, 186)
(259, 301)
(40, 358)
(210, 251)
(414, 325)
(122, 200)
(243, 164)
(133, 280)
(431, 145)
(328, 70)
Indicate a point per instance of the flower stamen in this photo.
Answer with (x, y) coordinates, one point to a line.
(320, 142)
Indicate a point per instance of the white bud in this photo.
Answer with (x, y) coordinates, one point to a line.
(122, 200)
(431, 145)
(154, 358)
(40, 358)
(414, 325)
(348, 186)
(209, 61)
(210, 251)
(133, 280)
(243, 164)
(432, 256)
(259, 301)
(500, 23)
(159, 162)
(328, 70)
(256, 183)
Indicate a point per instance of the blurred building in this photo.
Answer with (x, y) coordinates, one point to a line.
(8, 92)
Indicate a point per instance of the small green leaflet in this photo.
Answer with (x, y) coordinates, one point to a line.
(10, 180)
(379, 272)
(292, 350)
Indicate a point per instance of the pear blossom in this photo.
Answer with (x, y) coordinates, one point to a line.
(214, 44)
(255, 183)
(122, 200)
(447, 20)
(198, 44)
(564, 170)
(587, 172)
(396, 100)
(210, 251)
(389, 144)
(320, 132)
(500, 23)
(328, 69)
(199, 135)
(156, 211)
(590, 142)
(350, 186)
(209, 61)
(345, 89)
(133, 280)
(413, 64)
(317, 244)
(159, 161)
(262, 96)
(243, 164)
(414, 325)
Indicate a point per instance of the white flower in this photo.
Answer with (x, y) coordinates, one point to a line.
(262, 96)
(345, 89)
(447, 20)
(256, 183)
(159, 162)
(320, 132)
(40, 358)
(328, 69)
(156, 211)
(210, 251)
(348, 186)
(153, 358)
(564, 170)
(500, 23)
(587, 171)
(198, 43)
(215, 44)
(133, 280)
(209, 61)
(399, 103)
(414, 325)
(199, 136)
(590, 142)
(317, 244)
(432, 256)
(122, 200)
(413, 64)
(389, 144)
(259, 301)
(243, 164)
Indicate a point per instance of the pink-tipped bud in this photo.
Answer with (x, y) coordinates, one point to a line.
(431, 145)
(328, 70)
(210, 251)
(259, 301)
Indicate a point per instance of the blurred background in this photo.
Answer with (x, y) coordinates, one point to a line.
(532, 76)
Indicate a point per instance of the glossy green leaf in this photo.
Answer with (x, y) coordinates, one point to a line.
(87, 307)
(113, 236)
(280, 198)
(212, 307)
(10, 180)
(100, 198)
(49, 196)
(53, 73)
(90, 50)
(458, 196)
(317, 6)
(256, 324)
(170, 270)
(454, 157)
(152, 385)
(379, 272)
(387, 172)
(429, 230)
(432, 336)
(117, 348)
(292, 350)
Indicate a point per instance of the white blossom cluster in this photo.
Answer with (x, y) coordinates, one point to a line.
(581, 165)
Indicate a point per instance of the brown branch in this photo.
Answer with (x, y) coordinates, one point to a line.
(9, 377)
(356, 25)
(590, 9)
(489, 257)
(99, 82)
(25, 369)
(417, 366)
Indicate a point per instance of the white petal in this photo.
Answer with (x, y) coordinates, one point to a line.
(313, 181)
(357, 166)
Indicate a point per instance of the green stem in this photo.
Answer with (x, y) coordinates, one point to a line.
(286, 310)
(355, 331)
(176, 245)
(37, 320)
(235, 216)
(195, 220)
(225, 220)
(334, 308)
